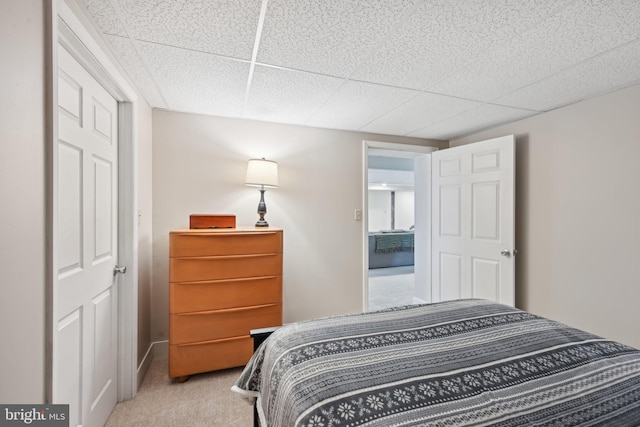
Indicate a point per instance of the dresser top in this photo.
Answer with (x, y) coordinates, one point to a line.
(226, 230)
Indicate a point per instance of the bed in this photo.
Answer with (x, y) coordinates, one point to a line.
(456, 363)
(391, 248)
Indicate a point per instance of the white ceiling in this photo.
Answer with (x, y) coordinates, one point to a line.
(392, 180)
(424, 68)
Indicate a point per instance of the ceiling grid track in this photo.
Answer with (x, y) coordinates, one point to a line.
(136, 47)
(254, 55)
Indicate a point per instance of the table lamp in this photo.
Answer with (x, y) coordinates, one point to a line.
(263, 174)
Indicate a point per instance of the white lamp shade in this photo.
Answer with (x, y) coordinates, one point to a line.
(262, 172)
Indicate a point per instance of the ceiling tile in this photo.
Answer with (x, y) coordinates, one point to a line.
(574, 34)
(420, 110)
(355, 104)
(504, 16)
(329, 36)
(223, 27)
(629, 13)
(103, 14)
(422, 49)
(617, 68)
(197, 82)
(131, 62)
(441, 37)
(473, 120)
(287, 96)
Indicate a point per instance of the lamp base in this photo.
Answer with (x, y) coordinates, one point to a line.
(262, 209)
(262, 222)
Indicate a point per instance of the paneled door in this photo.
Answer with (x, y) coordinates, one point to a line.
(84, 291)
(473, 234)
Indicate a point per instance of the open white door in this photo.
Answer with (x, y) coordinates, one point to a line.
(473, 225)
(85, 299)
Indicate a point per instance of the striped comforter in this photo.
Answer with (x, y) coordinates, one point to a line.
(457, 363)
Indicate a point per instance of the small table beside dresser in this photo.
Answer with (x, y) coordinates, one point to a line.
(222, 283)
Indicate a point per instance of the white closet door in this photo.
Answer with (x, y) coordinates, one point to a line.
(85, 292)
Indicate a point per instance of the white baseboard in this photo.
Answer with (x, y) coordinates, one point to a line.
(143, 367)
(156, 350)
(417, 300)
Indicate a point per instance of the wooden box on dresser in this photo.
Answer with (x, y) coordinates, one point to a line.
(222, 283)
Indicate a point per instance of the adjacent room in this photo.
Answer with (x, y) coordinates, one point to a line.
(391, 221)
(185, 180)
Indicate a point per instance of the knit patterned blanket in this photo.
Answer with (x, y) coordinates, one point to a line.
(457, 363)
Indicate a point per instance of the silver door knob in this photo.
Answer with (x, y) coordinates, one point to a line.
(505, 252)
(119, 269)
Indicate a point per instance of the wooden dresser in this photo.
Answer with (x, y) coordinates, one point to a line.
(222, 283)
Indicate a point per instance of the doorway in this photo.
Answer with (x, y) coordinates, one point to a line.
(464, 235)
(391, 238)
(73, 41)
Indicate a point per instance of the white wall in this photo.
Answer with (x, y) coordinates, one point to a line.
(145, 223)
(404, 211)
(577, 205)
(379, 208)
(23, 206)
(199, 164)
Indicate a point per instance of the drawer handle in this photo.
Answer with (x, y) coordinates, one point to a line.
(227, 256)
(215, 282)
(189, 344)
(227, 310)
(263, 233)
(223, 234)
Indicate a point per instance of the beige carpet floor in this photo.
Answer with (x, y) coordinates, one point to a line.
(391, 287)
(203, 400)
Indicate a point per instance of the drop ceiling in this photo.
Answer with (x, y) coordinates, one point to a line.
(435, 69)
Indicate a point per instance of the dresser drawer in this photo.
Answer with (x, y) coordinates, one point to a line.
(217, 324)
(224, 267)
(224, 243)
(217, 294)
(193, 358)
